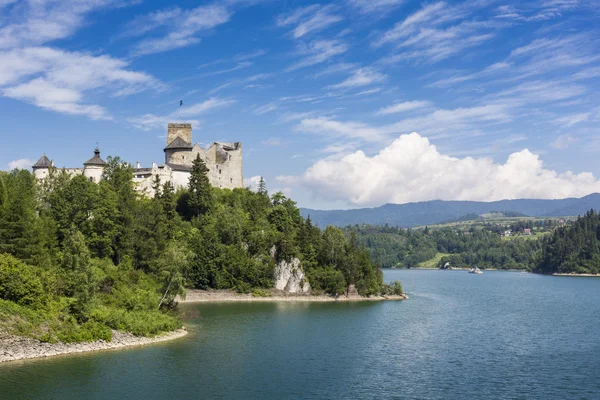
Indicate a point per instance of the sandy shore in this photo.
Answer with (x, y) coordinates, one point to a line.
(202, 296)
(590, 275)
(19, 348)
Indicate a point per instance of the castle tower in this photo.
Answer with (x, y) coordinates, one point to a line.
(179, 143)
(42, 167)
(93, 168)
(183, 131)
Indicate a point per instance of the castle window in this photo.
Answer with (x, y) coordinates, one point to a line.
(91, 179)
(230, 180)
(219, 171)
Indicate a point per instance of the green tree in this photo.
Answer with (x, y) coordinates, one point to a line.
(81, 277)
(3, 192)
(119, 176)
(200, 191)
(262, 187)
(172, 264)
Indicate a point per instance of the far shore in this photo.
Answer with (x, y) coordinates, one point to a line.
(580, 275)
(13, 348)
(215, 296)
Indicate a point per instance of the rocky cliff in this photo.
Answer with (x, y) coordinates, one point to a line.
(290, 278)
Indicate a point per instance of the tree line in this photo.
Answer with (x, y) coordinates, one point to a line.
(392, 247)
(78, 259)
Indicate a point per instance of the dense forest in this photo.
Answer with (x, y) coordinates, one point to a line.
(572, 249)
(404, 248)
(78, 259)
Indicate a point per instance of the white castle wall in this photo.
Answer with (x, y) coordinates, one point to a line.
(223, 160)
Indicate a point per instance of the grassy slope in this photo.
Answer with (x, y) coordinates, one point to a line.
(432, 263)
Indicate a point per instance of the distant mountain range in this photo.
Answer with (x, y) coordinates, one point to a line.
(438, 211)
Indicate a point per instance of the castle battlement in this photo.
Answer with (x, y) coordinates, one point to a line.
(223, 160)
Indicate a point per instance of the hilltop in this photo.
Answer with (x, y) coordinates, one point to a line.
(439, 211)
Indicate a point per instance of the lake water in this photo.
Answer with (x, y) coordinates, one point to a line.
(500, 335)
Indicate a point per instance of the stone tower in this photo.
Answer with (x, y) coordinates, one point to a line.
(183, 131)
(42, 167)
(179, 144)
(93, 168)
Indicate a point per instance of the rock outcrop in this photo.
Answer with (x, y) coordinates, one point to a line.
(290, 278)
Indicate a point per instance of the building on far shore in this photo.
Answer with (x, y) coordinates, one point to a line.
(223, 160)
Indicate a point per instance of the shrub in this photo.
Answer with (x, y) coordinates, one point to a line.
(392, 289)
(20, 282)
(262, 293)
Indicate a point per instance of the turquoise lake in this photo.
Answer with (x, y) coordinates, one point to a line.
(500, 335)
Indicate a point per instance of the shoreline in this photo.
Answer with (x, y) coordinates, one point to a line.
(14, 348)
(217, 296)
(577, 275)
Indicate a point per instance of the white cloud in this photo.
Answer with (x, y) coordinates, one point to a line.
(272, 141)
(36, 22)
(252, 182)
(562, 141)
(58, 80)
(375, 6)
(570, 120)
(412, 169)
(266, 108)
(309, 19)
(437, 32)
(151, 121)
(318, 51)
(331, 129)
(23, 163)
(203, 107)
(361, 77)
(183, 27)
(405, 106)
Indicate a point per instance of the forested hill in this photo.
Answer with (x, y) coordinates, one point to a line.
(438, 211)
(573, 249)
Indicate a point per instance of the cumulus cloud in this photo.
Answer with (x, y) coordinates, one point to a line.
(23, 163)
(252, 182)
(412, 169)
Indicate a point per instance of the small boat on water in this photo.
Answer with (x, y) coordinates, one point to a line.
(475, 270)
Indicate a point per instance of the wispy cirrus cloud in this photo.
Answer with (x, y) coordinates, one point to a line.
(405, 106)
(310, 19)
(361, 77)
(375, 6)
(436, 32)
(55, 79)
(177, 27)
(185, 114)
(317, 52)
(58, 80)
(33, 23)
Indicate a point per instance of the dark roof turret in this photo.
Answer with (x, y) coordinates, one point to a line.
(43, 162)
(179, 144)
(96, 160)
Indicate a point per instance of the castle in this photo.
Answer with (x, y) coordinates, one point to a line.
(223, 160)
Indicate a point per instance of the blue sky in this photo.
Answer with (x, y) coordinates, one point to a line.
(502, 97)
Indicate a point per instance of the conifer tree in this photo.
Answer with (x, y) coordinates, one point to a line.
(200, 192)
(169, 207)
(3, 193)
(262, 187)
